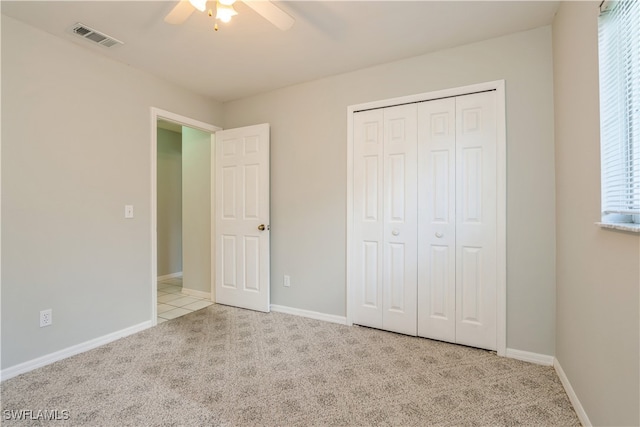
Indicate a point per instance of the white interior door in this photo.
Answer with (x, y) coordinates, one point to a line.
(476, 222)
(242, 217)
(437, 219)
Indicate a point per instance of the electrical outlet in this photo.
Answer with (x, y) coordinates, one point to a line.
(287, 281)
(46, 318)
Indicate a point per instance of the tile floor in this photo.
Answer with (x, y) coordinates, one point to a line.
(173, 303)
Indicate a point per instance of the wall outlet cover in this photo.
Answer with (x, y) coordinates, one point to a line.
(46, 317)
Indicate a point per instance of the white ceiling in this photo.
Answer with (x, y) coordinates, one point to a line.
(250, 56)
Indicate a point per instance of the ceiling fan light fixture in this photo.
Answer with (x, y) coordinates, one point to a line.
(201, 5)
(225, 12)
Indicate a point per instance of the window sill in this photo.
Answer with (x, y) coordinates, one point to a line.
(628, 227)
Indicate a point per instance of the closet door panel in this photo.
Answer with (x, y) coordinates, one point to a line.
(368, 218)
(436, 220)
(476, 195)
(400, 219)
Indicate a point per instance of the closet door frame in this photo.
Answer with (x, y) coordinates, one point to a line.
(501, 162)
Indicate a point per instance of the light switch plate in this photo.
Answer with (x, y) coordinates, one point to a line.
(128, 211)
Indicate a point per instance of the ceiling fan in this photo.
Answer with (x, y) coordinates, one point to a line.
(225, 11)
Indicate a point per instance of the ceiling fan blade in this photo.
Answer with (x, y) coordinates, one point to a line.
(179, 13)
(271, 13)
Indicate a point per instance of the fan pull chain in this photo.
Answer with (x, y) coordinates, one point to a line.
(215, 27)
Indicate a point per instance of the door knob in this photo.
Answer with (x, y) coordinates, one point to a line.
(261, 227)
(395, 232)
(439, 235)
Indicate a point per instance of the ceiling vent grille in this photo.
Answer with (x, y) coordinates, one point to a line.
(95, 36)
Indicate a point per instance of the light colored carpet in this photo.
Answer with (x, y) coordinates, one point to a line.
(234, 367)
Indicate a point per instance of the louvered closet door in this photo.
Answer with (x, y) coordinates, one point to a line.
(437, 219)
(476, 198)
(385, 221)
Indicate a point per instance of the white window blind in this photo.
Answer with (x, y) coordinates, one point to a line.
(619, 51)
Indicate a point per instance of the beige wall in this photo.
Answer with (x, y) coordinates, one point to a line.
(196, 210)
(169, 168)
(308, 172)
(76, 148)
(598, 270)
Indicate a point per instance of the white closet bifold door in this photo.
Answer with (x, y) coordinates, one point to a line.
(437, 220)
(476, 205)
(400, 234)
(457, 192)
(385, 218)
(368, 217)
(425, 219)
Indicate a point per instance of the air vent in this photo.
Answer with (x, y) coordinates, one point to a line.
(95, 36)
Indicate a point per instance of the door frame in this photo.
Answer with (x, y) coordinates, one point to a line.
(156, 114)
(501, 163)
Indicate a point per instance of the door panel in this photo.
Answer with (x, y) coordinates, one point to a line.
(252, 192)
(252, 263)
(476, 195)
(396, 187)
(440, 280)
(400, 219)
(397, 288)
(370, 284)
(227, 193)
(368, 218)
(471, 285)
(436, 220)
(228, 264)
(472, 185)
(242, 205)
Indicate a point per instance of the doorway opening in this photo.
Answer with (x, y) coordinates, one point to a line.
(182, 206)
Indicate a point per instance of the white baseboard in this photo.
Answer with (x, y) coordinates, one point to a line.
(310, 314)
(47, 359)
(526, 356)
(194, 293)
(573, 397)
(170, 276)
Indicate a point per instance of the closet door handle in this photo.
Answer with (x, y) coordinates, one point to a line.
(439, 235)
(395, 232)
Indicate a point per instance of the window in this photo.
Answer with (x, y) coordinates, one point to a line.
(619, 50)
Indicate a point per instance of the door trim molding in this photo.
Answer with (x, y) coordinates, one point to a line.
(156, 114)
(501, 163)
